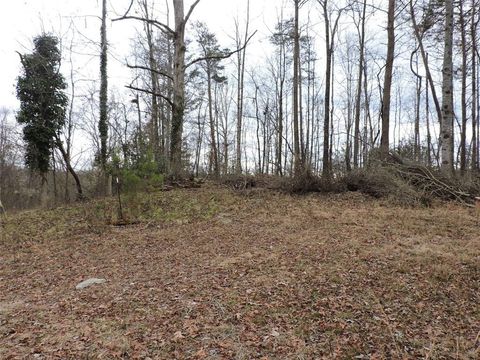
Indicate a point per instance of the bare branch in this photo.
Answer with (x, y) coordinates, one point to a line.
(222, 56)
(21, 58)
(159, 25)
(167, 99)
(129, 8)
(150, 69)
(190, 11)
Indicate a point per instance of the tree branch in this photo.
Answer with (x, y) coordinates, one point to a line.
(21, 58)
(129, 8)
(157, 24)
(221, 57)
(149, 69)
(170, 102)
(190, 11)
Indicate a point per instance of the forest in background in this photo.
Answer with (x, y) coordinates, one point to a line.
(333, 95)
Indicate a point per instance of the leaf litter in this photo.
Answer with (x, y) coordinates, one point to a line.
(287, 277)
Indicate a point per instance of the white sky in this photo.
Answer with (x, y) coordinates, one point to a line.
(22, 20)
(77, 22)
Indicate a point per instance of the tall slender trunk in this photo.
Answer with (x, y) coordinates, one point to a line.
(326, 172)
(429, 135)
(418, 86)
(297, 161)
(417, 119)
(154, 86)
(213, 139)
(43, 190)
(178, 90)
(68, 164)
(424, 54)
(240, 90)
(356, 136)
(446, 126)
(387, 87)
(463, 130)
(279, 167)
(103, 121)
(473, 36)
(367, 141)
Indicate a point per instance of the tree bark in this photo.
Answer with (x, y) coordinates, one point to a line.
(326, 171)
(463, 130)
(103, 121)
(446, 125)
(387, 88)
(213, 140)
(240, 90)
(473, 36)
(297, 161)
(356, 136)
(43, 191)
(154, 86)
(178, 90)
(425, 62)
(68, 164)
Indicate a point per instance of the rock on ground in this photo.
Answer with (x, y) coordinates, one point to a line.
(89, 282)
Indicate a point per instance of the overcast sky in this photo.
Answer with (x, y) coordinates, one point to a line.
(24, 19)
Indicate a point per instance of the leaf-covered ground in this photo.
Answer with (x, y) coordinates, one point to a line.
(213, 274)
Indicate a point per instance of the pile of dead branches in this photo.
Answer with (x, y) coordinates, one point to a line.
(430, 182)
(239, 182)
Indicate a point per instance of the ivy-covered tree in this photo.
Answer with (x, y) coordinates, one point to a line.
(43, 102)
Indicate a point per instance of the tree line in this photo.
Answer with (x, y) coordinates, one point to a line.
(365, 79)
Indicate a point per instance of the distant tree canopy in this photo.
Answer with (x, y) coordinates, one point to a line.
(43, 102)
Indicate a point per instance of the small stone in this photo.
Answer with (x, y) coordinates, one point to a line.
(89, 282)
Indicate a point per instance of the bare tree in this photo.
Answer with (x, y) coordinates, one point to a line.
(446, 125)
(103, 120)
(358, 98)
(463, 125)
(241, 55)
(473, 39)
(298, 161)
(387, 87)
(330, 33)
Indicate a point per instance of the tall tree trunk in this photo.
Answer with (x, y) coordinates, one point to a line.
(463, 130)
(356, 136)
(279, 155)
(240, 89)
(326, 171)
(103, 121)
(418, 86)
(424, 54)
(68, 164)
(154, 86)
(297, 161)
(43, 190)
(213, 139)
(387, 87)
(429, 135)
(178, 90)
(473, 36)
(446, 126)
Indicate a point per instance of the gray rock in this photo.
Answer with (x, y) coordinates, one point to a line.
(89, 282)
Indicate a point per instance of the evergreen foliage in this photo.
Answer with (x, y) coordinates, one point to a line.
(43, 102)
